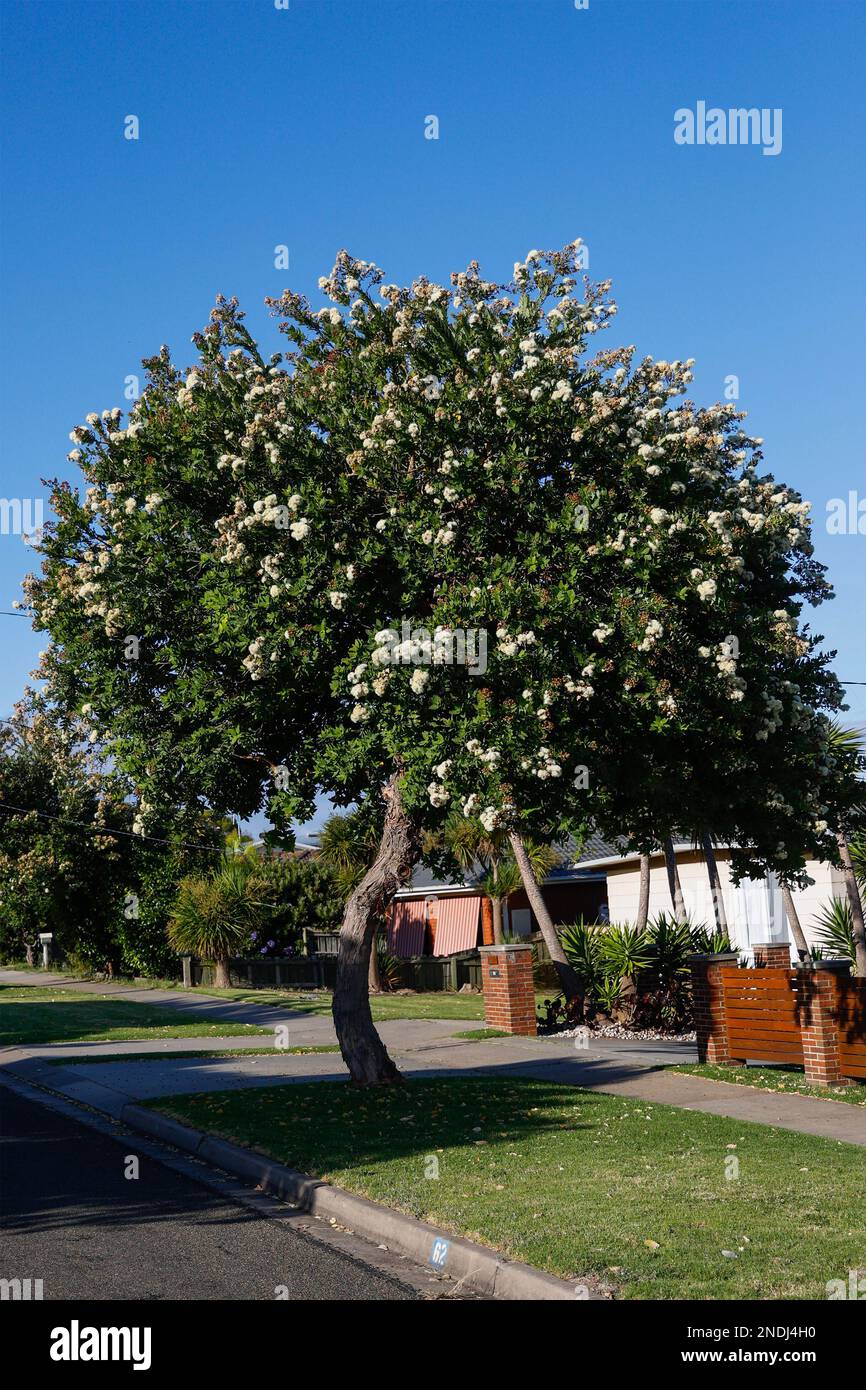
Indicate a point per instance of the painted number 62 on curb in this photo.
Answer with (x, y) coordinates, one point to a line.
(439, 1253)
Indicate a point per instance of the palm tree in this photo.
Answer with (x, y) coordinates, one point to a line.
(797, 932)
(709, 853)
(569, 980)
(214, 913)
(470, 844)
(347, 846)
(674, 884)
(835, 927)
(644, 900)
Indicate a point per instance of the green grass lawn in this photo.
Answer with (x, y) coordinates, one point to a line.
(191, 1052)
(432, 1005)
(481, 1034)
(575, 1182)
(30, 1014)
(787, 1080)
(438, 1004)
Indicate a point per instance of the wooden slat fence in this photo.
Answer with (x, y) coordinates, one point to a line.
(851, 1023)
(762, 1008)
(810, 1017)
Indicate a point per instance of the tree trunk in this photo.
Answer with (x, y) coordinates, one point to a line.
(496, 906)
(363, 1050)
(374, 979)
(221, 974)
(674, 880)
(800, 943)
(856, 904)
(715, 882)
(644, 900)
(567, 976)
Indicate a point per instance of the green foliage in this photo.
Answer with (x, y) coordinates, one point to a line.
(641, 978)
(710, 942)
(303, 894)
(834, 929)
(608, 992)
(62, 869)
(347, 847)
(582, 944)
(390, 970)
(143, 924)
(249, 905)
(672, 943)
(502, 881)
(215, 913)
(625, 950)
(457, 457)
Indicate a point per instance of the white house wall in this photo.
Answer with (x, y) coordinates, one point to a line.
(754, 909)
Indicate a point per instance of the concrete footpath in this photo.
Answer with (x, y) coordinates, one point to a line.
(420, 1047)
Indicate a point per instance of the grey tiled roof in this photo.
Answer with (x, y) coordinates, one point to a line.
(594, 847)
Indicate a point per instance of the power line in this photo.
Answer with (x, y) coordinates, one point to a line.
(99, 830)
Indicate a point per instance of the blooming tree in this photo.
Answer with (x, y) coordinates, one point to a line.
(67, 865)
(445, 553)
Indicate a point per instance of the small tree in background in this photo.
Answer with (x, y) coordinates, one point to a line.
(215, 913)
(67, 862)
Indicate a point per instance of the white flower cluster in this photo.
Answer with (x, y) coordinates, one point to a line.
(266, 511)
(491, 818)
(582, 688)
(254, 661)
(706, 588)
(726, 664)
(484, 755)
(652, 633)
(543, 766)
(139, 824)
(510, 645)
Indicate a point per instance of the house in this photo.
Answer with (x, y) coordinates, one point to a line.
(754, 909)
(600, 881)
(431, 916)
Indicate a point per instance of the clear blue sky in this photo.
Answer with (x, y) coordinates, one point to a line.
(305, 127)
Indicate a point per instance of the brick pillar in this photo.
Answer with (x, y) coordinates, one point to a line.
(818, 987)
(772, 955)
(708, 1005)
(509, 994)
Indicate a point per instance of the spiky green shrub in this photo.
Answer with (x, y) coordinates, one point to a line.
(582, 944)
(390, 967)
(625, 950)
(835, 929)
(710, 942)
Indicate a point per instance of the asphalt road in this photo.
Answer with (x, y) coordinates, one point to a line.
(71, 1218)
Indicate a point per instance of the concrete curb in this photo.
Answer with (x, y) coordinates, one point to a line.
(472, 1265)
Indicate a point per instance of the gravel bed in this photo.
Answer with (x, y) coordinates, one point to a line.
(618, 1030)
